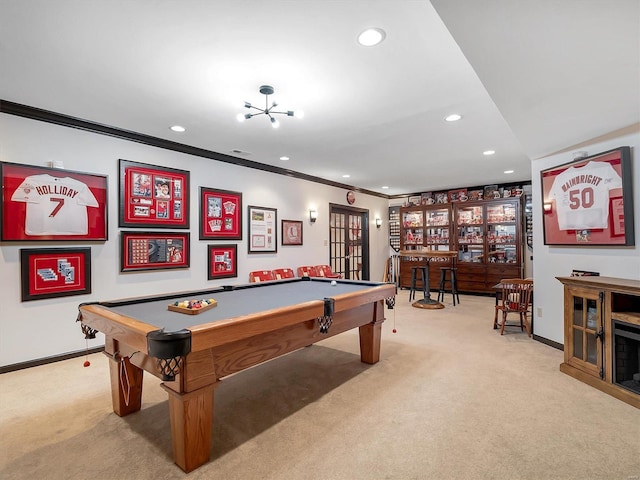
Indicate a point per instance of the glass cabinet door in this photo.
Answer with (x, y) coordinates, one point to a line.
(470, 231)
(585, 343)
(501, 233)
(412, 229)
(437, 228)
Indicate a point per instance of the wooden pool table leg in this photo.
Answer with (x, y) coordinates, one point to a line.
(191, 424)
(126, 386)
(370, 335)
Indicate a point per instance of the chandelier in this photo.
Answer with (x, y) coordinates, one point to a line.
(269, 111)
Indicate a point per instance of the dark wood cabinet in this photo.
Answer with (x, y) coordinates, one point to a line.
(487, 234)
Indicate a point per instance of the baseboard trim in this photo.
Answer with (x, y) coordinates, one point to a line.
(43, 361)
(551, 343)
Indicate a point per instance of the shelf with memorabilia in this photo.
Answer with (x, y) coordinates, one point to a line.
(426, 227)
(488, 242)
(487, 234)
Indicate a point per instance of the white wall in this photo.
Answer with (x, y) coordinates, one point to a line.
(42, 328)
(551, 262)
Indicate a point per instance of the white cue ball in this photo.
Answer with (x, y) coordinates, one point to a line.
(333, 282)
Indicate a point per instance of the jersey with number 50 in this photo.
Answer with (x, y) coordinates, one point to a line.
(55, 206)
(582, 195)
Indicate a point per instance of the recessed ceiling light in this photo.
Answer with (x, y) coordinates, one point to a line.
(454, 117)
(488, 152)
(346, 176)
(508, 171)
(371, 37)
(284, 158)
(178, 128)
(384, 187)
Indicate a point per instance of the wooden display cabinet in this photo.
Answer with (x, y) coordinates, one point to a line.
(489, 243)
(602, 334)
(487, 235)
(425, 227)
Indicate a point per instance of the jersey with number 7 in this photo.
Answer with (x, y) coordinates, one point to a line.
(55, 206)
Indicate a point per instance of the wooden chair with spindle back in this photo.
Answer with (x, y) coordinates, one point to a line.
(515, 297)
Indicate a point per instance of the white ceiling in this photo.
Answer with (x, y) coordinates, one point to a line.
(530, 77)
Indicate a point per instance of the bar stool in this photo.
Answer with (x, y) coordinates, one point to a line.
(453, 282)
(423, 277)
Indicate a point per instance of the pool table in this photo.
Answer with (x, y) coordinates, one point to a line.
(249, 325)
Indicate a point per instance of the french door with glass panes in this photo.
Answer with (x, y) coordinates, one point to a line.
(349, 241)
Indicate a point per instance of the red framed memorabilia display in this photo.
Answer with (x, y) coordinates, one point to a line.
(152, 196)
(153, 251)
(263, 231)
(220, 214)
(291, 232)
(459, 195)
(55, 272)
(52, 204)
(589, 201)
(222, 261)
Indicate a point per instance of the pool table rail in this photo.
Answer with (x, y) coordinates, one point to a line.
(113, 324)
(222, 332)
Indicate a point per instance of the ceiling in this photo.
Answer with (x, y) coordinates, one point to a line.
(530, 78)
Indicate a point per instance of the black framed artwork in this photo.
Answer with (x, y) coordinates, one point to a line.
(291, 232)
(153, 196)
(222, 261)
(589, 201)
(263, 229)
(153, 251)
(52, 204)
(55, 272)
(220, 214)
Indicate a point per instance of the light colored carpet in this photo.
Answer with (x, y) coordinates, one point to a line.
(450, 399)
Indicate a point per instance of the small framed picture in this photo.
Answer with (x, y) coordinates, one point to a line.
(55, 272)
(51, 204)
(415, 200)
(441, 197)
(459, 195)
(291, 232)
(153, 196)
(222, 261)
(220, 214)
(153, 251)
(263, 228)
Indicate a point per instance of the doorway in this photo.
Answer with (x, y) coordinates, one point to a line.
(349, 241)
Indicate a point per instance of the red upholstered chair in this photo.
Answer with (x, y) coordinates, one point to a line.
(326, 272)
(515, 297)
(261, 276)
(307, 271)
(280, 273)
